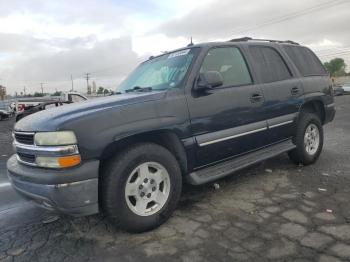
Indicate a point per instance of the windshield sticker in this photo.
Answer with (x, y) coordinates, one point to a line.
(179, 53)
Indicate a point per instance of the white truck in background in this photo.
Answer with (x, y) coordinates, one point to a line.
(70, 97)
(28, 106)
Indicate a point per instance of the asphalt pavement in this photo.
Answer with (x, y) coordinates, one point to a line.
(274, 211)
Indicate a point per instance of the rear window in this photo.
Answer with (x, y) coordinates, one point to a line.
(305, 60)
(270, 66)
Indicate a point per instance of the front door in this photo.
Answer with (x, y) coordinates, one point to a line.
(224, 120)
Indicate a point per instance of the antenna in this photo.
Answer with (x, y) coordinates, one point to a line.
(191, 43)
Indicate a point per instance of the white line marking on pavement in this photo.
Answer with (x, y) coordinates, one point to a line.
(5, 184)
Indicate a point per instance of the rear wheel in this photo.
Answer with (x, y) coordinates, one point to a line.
(308, 139)
(141, 187)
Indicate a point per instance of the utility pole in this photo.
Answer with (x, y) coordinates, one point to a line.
(71, 78)
(42, 88)
(87, 76)
(24, 90)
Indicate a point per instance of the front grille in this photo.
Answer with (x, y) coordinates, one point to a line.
(25, 138)
(26, 157)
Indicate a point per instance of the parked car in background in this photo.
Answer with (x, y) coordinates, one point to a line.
(4, 114)
(5, 110)
(195, 114)
(338, 90)
(346, 88)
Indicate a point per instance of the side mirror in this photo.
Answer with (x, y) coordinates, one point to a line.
(209, 80)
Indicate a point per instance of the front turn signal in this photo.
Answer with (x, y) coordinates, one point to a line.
(58, 162)
(69, 161)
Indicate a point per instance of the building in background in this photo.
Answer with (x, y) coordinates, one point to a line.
(2, 92)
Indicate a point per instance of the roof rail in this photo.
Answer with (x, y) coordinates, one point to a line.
(246, 39)
(242, 39)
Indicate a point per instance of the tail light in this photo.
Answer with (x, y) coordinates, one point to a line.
(20, 107)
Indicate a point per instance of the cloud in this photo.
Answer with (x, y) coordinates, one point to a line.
(46, 41)
(226, 19)
(112, 58)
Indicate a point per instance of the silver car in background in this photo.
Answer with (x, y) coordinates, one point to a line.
(346, 88)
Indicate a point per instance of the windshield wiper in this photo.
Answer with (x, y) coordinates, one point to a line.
(138, 89)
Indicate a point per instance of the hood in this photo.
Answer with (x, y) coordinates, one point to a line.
(55, 118)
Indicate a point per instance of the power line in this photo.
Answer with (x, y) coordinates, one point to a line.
(292, 15)
(336, 53)
(321, 51)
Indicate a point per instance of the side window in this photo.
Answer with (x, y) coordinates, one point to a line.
(305, 60)
(230, 63)
(269, 64)
(75, 98)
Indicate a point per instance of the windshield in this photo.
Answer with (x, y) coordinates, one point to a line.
(165, 71)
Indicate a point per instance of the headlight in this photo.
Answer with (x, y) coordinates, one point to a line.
(55, 138)
(58, 162)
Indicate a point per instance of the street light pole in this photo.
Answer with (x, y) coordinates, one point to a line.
(71, 78)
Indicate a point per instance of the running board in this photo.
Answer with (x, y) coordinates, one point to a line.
(220, 170)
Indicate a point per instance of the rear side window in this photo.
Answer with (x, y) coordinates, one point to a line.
(269, 64)
(230, 63)
(305, 60)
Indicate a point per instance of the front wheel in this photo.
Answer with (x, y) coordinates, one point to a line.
(308, 139)
(141, 187)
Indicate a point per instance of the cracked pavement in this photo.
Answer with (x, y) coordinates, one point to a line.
(274, 211)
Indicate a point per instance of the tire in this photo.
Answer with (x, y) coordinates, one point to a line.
(306, 153)
(127, 170)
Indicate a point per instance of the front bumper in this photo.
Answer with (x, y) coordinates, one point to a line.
(71, 191)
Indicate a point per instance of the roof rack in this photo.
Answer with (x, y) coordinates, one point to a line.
(246, 39)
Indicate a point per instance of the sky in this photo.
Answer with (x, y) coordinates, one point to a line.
(49, 41)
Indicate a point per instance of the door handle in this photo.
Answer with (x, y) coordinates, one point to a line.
(256, 98)
(294, 91)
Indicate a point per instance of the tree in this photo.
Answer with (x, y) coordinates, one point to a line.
(336, 67)
(105, 92)
(100, 90)
(36, 94)
(57, 93)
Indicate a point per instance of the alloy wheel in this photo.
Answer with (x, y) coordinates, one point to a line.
(147, 188)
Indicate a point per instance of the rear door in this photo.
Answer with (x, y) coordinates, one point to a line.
(283, 91)
(224, 121)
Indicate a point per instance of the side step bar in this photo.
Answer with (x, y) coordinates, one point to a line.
(220, 170)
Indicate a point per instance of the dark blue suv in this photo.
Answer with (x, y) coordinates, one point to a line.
(195, 114)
